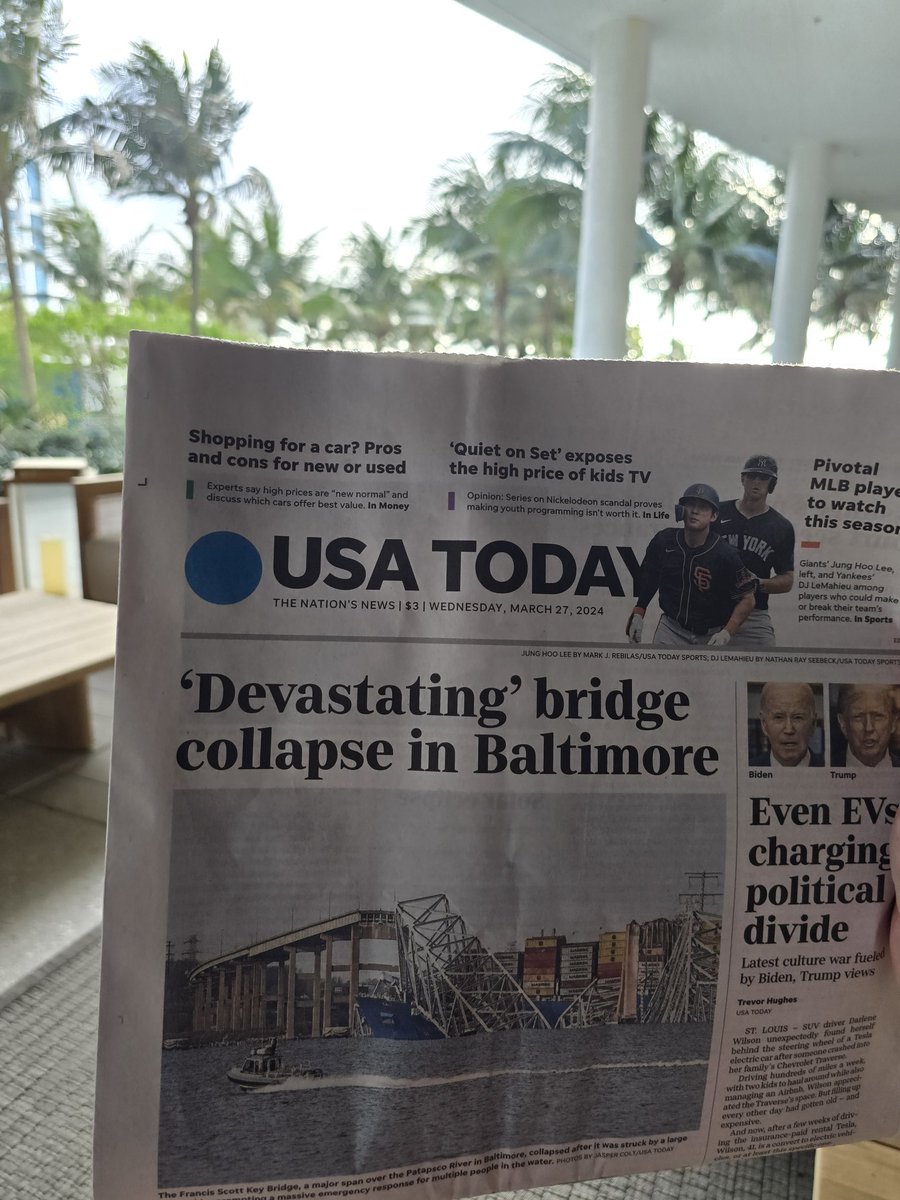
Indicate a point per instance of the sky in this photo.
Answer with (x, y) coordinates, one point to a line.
(355, 107)
(626, 858)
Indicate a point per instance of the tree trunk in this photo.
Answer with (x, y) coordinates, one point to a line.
(23, 342)
(501, 300)
(192, 218)
(547, 320)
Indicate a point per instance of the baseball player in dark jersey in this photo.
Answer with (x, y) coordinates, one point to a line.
(705, 591)
(765, 541)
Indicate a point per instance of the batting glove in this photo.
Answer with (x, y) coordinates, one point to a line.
(722, 638)
(635, 628)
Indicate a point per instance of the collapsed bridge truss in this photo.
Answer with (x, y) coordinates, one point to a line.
(450, 978)
(687, 988)
(669, 974)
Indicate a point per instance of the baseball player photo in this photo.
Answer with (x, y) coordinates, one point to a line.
(786, 730)
(705, 591)
(765, 541)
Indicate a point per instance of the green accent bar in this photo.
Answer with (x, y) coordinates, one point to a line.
(189, 490)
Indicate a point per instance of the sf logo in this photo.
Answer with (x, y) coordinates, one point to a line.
(702, 578)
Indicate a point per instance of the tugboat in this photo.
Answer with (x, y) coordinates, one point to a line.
(264, 1067)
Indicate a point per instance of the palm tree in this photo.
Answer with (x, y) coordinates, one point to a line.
(223, 282)
(168, 132)
(556, 144)
(499, 238)
(372, 298)
(32, 39)
(280, 279)
(857, 272)
(704, 227)
(715, 234)
(248, 278)
(78, 257)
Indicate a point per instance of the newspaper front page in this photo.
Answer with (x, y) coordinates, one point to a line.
(505, 761)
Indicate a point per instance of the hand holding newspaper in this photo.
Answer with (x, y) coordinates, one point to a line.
(502, 784)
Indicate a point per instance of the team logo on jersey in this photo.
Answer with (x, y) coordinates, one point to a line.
(702, 578)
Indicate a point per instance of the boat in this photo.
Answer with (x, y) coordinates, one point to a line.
(265, 1068)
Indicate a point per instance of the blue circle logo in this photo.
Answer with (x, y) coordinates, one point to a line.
(223, 567)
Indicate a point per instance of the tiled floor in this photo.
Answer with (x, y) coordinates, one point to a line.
(52, 836)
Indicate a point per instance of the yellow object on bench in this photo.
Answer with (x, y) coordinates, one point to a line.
(48, 647)
(53, 566)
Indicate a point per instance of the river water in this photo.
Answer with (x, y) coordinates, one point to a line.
(375, 1110)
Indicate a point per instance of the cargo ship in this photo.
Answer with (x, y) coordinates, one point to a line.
(395, 1019)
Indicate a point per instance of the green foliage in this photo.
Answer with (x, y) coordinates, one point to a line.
(503, 240)
(555, 145)
(490, 266)
(81, 356)
(713, 230)
(504, 246)
(370, 306)
(32, 40)
(167, 132)
(859, 261)
(249, 278)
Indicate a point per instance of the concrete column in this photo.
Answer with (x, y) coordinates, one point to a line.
(237, 985)
(289, 1028)
(258, 992)
(207, 1001)
(893, 354)
(279, 999)
(326, 1002)
(221, 1024)
(317, 996)
(354, 972)
(197, 1018)
(798, 250)
(620, 54)
(247, 1020)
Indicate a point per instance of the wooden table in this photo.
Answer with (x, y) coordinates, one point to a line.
(861, 1171)
(48, 647)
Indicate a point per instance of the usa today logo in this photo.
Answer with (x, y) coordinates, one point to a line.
(223, 567)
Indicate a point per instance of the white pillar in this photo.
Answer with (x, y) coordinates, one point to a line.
(620, 54)
(893, 354)
(798, 250)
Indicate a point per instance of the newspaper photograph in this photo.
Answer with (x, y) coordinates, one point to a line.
(504, 772)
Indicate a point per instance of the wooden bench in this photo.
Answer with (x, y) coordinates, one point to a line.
(48, 647)
(98, 501)
(861, 1171)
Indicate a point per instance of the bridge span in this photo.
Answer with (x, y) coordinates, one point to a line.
(260, 989)
(306, 982)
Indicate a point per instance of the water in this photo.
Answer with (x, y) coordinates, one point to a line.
(522, 1088)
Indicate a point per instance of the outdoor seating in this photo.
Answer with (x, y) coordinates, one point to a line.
(48, 647)
(98, 500)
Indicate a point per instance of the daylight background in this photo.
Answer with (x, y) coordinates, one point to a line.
(400, 176)
(277, 877)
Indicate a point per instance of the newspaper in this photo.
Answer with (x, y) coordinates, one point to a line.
(505, 759)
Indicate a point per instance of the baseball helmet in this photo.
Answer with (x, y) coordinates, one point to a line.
(762, 464)
(701, 491)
